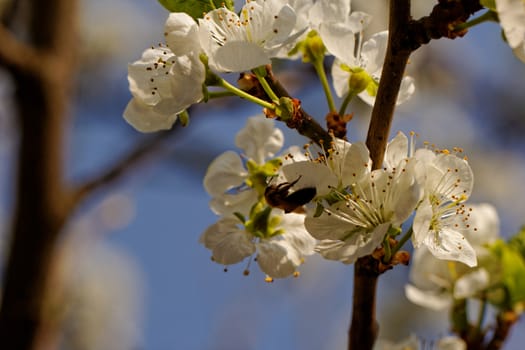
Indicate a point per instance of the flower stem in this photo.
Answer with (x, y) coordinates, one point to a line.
(488, 16)
(236, 91)
(219, 94)
(481, 317)
(402, 241)
(348, 98)
(266, 87)
(319, 68)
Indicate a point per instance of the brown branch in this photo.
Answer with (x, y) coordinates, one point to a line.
(506, 320)
(364, 328)
(40, 206)
(303, 122)
(405, 36)
(16, 55)
(445, 16)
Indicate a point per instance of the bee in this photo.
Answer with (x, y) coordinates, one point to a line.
(278, 196)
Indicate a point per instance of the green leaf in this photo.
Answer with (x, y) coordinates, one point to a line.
(518, 242)
(511, 272)
(196, 8)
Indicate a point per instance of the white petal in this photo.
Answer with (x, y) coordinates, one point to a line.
(277, 259)
(358, 21)
(239, 56)
(148, 77)
(520, 52)
(373, 53)
(328, 226)
(188, 74)
(432, 300)
(429, 273)
(470, 284)
(484, 224)
(182, 34)
(511, 15)
(357, 245)
(339, 41)
(259, 139)
(310, 174)
(233, 248)
(334, 11)
(406, 90)
(340, 78)
(281, 26)
(338, 251)
(227, 204)
(224, 173)
(449, 244)
(457, 178)
(396, 151)
(356, 163)
(421, 225)
(451, 343)
(146, 118)
(296, 234)
(218, 231)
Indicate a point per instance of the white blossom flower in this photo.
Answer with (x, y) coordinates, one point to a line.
(442, 215)
(511, 14)
(229, 182)
(361, 68)
(164, 82)
(238, 43)
(437, 282)
(279, 250)
(356, 226)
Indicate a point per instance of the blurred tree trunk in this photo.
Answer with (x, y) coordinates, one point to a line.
(41, 67)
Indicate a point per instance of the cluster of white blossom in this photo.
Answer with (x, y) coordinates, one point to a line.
(171, 77)
(361, 207)
(356, 208)
(248, 226)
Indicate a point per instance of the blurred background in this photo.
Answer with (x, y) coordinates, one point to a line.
(139, 279)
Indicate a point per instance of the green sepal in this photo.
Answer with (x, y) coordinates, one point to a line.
(258, 222)
(271, 167)
(240, 217)
(490, 4)
(359, 81)
(196, 8)
(318, 210)
(285, 110)
(184, 118)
